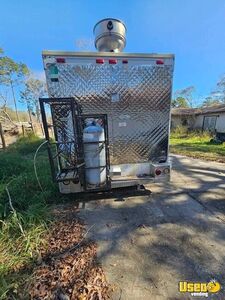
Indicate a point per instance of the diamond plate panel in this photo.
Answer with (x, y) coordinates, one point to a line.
(138, 117)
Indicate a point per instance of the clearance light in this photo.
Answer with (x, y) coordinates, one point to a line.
(159, 62)
(60, 60)
(125, 61)
(112, 61)
(158, 172)
(100, 61)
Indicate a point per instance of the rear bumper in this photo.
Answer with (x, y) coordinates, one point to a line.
(128, 175)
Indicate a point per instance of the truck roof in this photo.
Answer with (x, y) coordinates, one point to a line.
(105, 54)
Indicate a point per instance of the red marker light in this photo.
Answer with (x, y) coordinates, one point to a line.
(125, 61)
(159, 62)
(112, 61)
(158, 172)
(100, 61)
(60, 60)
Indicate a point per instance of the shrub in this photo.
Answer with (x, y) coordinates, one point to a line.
(179, 131)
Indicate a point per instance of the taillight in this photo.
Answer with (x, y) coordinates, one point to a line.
(158, 172)
(60, 60)
(100, 61)
(112, 61)
(159, 62)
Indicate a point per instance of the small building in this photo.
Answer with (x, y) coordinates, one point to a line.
(183, 117)
(211, 118)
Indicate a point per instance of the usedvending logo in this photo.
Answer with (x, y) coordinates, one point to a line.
(199, 289)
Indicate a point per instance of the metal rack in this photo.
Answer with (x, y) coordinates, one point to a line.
(67, 162)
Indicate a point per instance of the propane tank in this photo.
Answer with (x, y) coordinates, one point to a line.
(94, 153)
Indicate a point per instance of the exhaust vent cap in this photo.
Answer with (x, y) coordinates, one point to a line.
(110, 35)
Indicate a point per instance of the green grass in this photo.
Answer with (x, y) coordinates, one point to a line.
(196, 144)
(22, 230)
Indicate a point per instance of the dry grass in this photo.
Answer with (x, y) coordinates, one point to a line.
(32, 258)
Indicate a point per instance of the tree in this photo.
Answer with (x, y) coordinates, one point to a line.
(187, 94)
(209, 101)
(3, 107)
(3, 101)
(34, 89)
(219, 92)
(180, 102)
(217, 96)
(12, 74)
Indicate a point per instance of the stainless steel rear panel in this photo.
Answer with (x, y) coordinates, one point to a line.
(135, 96)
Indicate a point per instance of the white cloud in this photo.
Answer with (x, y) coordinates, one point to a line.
(84, 44)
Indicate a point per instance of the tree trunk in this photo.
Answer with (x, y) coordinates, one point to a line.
(38, 114)
(14, 99)
(29, 113)
(2, 137)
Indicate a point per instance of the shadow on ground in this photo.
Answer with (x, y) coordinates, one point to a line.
(149, 242)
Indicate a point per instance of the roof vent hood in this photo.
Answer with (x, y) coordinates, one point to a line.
(110, 35)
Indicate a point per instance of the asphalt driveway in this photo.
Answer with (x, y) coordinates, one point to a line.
(150, 241)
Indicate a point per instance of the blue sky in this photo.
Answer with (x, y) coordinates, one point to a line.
(194, 30)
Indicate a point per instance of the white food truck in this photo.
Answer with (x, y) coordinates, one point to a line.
(107, 118)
